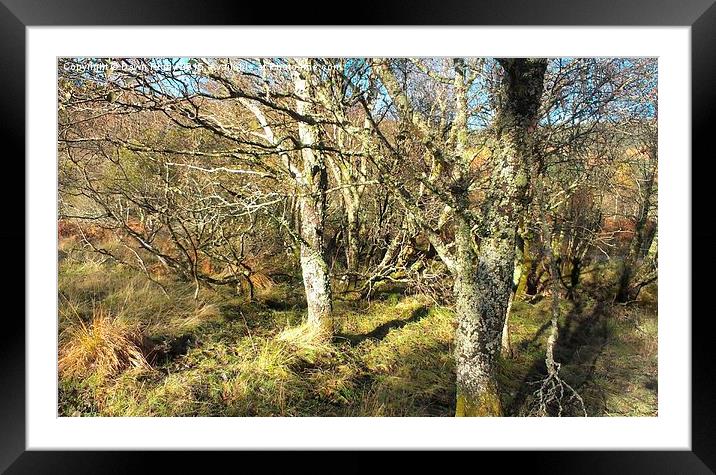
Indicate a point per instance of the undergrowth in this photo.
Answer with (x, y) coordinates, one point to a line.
(129, 349)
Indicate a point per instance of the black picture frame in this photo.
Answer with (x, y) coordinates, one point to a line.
(16, 15)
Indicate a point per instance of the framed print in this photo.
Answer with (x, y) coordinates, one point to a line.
(245, 235)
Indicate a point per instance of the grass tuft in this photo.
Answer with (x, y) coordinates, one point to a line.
(103, 348)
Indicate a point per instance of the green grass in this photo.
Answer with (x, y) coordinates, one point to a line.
(608, 354)
(224, 356)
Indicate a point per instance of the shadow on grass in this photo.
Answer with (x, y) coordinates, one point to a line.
(421, 384)
(382, 330)
(582, 339)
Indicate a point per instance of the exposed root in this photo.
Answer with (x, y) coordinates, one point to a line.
(551, 394)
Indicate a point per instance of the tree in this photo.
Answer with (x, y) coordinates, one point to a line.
(275, 133)
(314, 183)
(484, 281)
(482, 270)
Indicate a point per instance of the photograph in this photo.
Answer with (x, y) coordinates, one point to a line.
(357, 236)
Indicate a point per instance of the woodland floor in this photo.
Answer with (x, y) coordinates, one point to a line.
(390, 357)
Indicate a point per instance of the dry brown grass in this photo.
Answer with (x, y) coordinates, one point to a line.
(206, 313)
(261, 282)
(103, 348)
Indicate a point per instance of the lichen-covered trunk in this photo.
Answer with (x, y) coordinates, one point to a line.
(482, 291)
(352, 203)
(347, 174)
(314, 268)
(314, 181)
(483, 285)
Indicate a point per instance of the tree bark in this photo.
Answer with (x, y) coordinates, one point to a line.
(483, 287)
(482, 290)
(314, 267)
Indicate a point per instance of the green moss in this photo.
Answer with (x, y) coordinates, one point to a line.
(521, 179)
(486, 404)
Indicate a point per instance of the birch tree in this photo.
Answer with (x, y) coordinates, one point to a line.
(314, 183)
(263, 123)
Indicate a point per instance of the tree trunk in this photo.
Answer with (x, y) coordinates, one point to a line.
(483, 288)
(481, 294)
(533, 275)
(314, 267)
(625, 290)
(352, 236)
(347, 176)
(516, 278)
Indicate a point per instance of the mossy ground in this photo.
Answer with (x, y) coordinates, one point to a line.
(224, 356)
